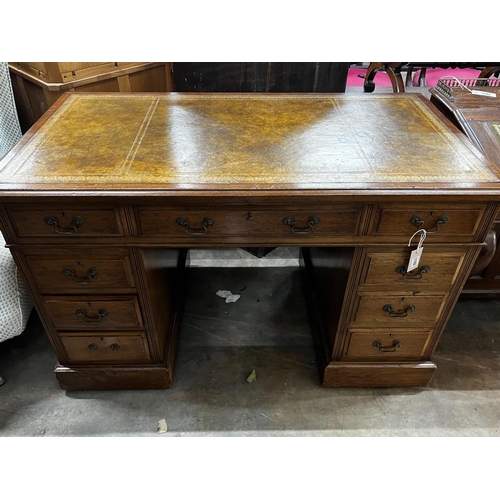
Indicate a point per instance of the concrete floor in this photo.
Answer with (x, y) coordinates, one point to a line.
(265, 330)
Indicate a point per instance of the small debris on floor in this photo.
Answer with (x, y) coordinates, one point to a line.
(230, 297)
(162, 426)
(42, 432)
(269, 418)
(252, 377)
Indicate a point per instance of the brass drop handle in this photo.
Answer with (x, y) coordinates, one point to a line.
(418, 222)
(403, 271)
(82, 313)
(91, 274)
(92, 347)
(75, 223)
(398, 314)
(205, 224)
(290, 221)
(381, 348)
(114, 347)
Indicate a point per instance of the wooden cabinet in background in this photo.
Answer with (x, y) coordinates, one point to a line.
(38, 85)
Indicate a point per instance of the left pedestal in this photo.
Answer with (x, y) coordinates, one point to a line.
(112, 312)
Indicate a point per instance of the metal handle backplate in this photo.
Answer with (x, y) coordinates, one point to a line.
(312, 221)
(205, 224)
(75, 223)
(412, 277)
(418, 222)
(398, 314)
(82, 313)
(381, 348)
(91, 274)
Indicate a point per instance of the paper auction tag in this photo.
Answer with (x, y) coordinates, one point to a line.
(417, 253)
(414, 259)
(481, 92)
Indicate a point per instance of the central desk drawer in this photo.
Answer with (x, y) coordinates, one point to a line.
(81, 271)
(69, 222)
(186, 224)
(399, 310)
(93, 313)
(117, 348)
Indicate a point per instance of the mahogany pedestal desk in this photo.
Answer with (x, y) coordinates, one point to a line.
(104, 196)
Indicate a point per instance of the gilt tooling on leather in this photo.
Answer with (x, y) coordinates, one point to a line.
(495, 126)
(267, 141)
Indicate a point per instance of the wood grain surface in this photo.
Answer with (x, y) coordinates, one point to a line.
(122, 185)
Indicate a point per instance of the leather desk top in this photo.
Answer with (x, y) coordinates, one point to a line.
(223, 142)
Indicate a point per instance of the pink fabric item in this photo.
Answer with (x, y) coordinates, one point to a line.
(381, 79)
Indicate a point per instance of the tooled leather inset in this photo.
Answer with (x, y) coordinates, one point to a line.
(271, 141)
(495, 127)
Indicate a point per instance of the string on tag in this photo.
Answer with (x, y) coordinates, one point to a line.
(476, 92)
(423, 235)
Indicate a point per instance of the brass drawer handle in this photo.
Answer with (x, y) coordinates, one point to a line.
(418, 222)
(398, 314)
(290, 221)
(91, 274)
(381, 348)
(114, 347)
(75, 223)
(82, 313)
(92, 347)
(402, 270)
(206, 223)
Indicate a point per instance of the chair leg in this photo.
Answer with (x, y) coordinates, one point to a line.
(489, 71)
(369, 85)
(2, 380)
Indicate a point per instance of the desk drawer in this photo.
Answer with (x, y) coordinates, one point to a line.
(439, 269)
(93, 313)
(104, 348)
(69, 222)
(80, 272)
(440, 221)
(383, 345)
(399, 310)
(187, 224)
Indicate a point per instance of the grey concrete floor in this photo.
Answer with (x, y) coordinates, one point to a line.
(265, 330)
